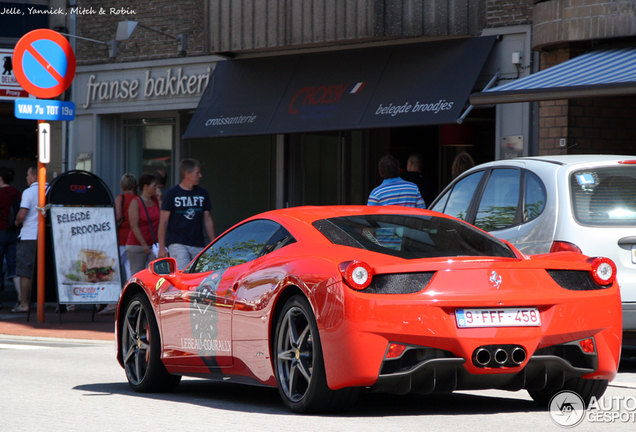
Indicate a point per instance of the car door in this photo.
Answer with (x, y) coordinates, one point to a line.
(536, 231)
(456, 202)
(488, 199)
(196, 315)
(498, 210)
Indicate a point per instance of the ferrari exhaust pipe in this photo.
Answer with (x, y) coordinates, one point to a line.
(518, 355)
(482, 357)
(501, 356)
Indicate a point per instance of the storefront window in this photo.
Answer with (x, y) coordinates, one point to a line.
(149, 145)
(239, 174)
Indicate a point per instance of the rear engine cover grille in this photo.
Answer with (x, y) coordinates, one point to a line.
(399, 283)
(575, 280)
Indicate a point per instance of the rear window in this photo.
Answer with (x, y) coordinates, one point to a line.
(412, 237)
(604, 196)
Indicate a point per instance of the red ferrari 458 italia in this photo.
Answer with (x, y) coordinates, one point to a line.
(325, 302)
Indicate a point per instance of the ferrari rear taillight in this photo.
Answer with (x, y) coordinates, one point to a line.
(395, 350)
(587, 345)
(357, 274)
(603, 270)
(561, 246)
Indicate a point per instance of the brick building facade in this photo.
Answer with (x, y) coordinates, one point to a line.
(564, 29)
(219, 30)
(171, 18)
(503, 13)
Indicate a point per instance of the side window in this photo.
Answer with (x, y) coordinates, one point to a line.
(439, 206)
(498, 205)
(243, 244)
(462, 194)
(281, 238)
(534, 197)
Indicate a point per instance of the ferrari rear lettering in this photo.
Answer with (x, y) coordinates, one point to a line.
(206, 344)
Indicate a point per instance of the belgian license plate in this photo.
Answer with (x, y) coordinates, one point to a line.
(504, 317)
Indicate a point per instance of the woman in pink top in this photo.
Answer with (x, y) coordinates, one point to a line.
(144, 220)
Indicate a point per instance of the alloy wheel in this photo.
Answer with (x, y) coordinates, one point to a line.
(136, 342)
(295, 354)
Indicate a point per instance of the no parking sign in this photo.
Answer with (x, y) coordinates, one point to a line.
(44, 63)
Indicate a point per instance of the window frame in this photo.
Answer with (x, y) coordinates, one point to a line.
(473, 206)
(261, 253)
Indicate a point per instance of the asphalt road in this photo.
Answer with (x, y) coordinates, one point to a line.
(65, 385)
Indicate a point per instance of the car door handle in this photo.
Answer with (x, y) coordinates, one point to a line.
(626, 241)
(235, 286)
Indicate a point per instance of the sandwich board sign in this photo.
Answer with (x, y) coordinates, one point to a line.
(84, 238)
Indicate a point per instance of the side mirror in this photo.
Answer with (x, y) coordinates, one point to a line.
(163, 267)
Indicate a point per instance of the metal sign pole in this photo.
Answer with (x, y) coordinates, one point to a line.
(41, 233)
(37, 59)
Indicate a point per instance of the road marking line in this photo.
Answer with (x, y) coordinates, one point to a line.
(22, 347)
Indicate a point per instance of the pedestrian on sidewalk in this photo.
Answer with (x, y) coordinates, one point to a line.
(185, 210)
(128, 184)
(9, 200)
(144, 220)
(27, 220)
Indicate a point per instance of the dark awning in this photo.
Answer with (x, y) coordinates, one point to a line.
(602, 72)
(412, 84)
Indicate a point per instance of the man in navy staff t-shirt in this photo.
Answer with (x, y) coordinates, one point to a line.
(185, 210)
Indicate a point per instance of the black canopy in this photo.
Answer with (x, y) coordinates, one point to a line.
(402, 85)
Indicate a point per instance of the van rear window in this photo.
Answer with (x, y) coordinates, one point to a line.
(604, 196)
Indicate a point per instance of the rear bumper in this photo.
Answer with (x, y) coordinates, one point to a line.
(446, 374)
(357, 331)
(629, 316)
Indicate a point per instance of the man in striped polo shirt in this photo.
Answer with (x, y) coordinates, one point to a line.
(394, 190)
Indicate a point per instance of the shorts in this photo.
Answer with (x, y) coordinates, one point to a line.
(183, 254)
(25, 258)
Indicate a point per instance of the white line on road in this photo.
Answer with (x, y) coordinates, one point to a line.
(23, 347)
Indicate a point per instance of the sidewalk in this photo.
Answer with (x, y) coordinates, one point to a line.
(75, 325)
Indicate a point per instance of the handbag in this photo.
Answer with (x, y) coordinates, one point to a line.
(123, 215)
(155, 244)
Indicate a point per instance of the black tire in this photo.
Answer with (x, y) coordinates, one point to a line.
(141, 349)
(299, 365)
(585, 388)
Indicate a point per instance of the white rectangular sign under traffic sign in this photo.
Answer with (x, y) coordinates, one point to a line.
(44, 142)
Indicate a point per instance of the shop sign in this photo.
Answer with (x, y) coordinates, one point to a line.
(9, 87)
(154, 84)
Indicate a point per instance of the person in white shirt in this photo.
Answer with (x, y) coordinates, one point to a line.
(27, 220)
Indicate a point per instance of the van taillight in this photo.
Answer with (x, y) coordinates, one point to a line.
(561, 246)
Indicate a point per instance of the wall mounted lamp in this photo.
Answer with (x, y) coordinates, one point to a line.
(112, 45)
(126, 28)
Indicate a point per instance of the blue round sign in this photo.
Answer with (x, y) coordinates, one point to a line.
(44, 63)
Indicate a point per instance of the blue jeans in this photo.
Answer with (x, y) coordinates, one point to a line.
(8, 245)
